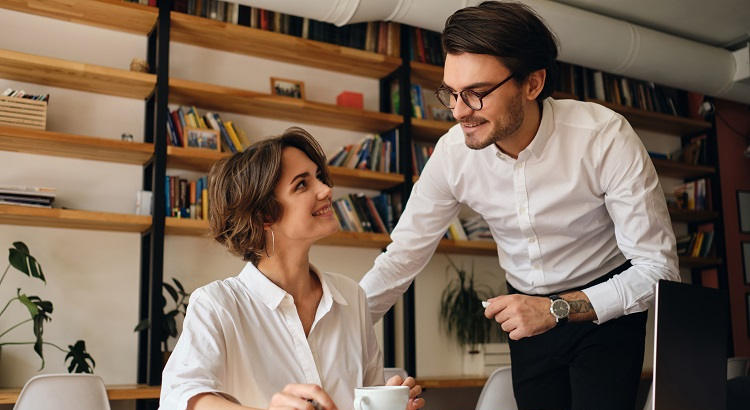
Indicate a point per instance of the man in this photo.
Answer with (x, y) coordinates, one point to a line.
(573, 202)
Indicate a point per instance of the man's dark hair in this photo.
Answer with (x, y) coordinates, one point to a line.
(510, 31)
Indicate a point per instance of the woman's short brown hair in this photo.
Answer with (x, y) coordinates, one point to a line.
(241, 191)
(510, 31)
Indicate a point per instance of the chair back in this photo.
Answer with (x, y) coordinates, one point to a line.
(497, 392)
(63, 392)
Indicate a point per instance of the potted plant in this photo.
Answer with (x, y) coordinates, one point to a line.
(462, 316)
(40, 311)
(169, 318)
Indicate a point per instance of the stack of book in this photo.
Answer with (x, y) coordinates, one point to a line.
(358, 213)
(697, 244)
(233, 137)
(476, 229)
(693, 195)
(27, 195)
(22, 94)
(375, 153)
(375, 36)
(186, 199)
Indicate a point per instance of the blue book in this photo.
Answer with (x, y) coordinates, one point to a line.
(224, 133)
(166, 195)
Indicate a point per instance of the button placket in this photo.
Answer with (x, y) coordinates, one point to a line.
(305, 356)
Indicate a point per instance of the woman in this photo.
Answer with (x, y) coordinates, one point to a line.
(280, 334)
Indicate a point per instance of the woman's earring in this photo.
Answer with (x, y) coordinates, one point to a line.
(273, 244)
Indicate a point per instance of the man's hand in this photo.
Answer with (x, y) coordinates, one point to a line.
(414, 391)
(521, 315)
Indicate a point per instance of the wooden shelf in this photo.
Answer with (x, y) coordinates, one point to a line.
(196, 227)
(131, 18)
(451, 382)
(656, 121)
(665, 167)
(429, 76)
(429, 130)
(114, 392)
(77, 76)
(202, 159)
(72, 219)
(684, 215)
(234, 38)
(699, 263)
(220, 98)
(73, 146)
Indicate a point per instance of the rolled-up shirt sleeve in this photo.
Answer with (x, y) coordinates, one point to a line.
(198, 363)
(423, 223)
(643, 229)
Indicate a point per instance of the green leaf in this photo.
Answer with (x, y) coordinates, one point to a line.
(179, 286)
(79, 358)
(20, 258)
(171, 290)
(142, 325)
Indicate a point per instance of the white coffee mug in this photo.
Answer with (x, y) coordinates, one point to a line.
(381, 398)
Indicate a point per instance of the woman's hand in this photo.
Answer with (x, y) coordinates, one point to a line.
(414, 391)
(298, 396)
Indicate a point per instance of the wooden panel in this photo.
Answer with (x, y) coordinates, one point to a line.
(114, 392)
(179, 226)
(73, 146)
(427, 75)
(699, 263)
(684, 215)
(357, 239)
(681, 170)
(202, 159)
(72, 219)
(77, 76)
(214, 97)
(429, 130)
(281, 47)
(131, 18)
(655, 121)
(451, 382)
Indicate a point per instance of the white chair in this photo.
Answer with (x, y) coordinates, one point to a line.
(63, 392)
(389, 372)
(497, 393)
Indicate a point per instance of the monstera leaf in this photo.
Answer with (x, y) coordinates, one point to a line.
(79, 358)
(40, 311)
(20, 258)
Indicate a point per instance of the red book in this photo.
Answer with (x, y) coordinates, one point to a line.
(178, 126)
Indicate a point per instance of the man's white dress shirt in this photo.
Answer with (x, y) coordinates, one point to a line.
(243, 339)
(579, 201)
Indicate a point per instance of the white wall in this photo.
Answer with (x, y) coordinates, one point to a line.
(93, 276)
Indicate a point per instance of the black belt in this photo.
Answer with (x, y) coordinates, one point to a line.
(601, 279)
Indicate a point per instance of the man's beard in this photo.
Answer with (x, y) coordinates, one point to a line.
(505, 127)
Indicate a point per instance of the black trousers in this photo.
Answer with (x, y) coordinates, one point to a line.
(581, 365)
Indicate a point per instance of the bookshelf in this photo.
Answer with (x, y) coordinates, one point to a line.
(56, 72)
(215, 97)
(114, 392)
(73, 219)
(655, 121)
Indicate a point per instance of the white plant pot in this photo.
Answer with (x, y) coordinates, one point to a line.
(473, 362)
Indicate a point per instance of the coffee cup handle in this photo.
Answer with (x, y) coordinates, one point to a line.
(358, 403)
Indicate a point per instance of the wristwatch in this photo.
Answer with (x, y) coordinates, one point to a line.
(560, 308)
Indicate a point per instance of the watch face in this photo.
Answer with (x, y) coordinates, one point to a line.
(560, 308)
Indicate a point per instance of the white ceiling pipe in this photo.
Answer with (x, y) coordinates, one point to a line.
(586, 39)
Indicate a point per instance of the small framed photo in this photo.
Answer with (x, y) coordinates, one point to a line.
(746, 261)
(288, 88)
(743, 206)
(202, 138)
(440, 113)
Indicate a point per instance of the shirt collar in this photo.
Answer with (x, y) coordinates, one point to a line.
(271, 295)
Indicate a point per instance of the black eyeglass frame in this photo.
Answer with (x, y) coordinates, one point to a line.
(463, 93)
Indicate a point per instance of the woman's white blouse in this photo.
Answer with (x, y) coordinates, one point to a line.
(243, 339)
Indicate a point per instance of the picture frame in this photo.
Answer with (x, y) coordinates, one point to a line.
(285, 87)
(202, 138)
(743, 208)
(745, 248)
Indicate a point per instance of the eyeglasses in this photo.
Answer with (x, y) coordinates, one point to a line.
(471, 98)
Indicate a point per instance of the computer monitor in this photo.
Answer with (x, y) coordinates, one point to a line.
(690, 348)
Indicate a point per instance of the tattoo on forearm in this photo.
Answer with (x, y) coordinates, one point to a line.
(580, 306)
